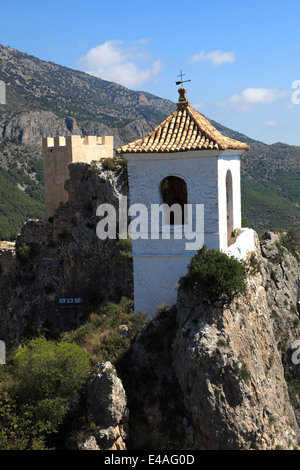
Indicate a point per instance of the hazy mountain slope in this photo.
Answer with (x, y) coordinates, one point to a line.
(271, 186)
(33, 84)
(46, 99)
(270, 183)
(21, 186)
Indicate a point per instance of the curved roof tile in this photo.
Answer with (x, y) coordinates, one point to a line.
(185, 129)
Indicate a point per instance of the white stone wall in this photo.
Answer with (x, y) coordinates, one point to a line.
(245, 243)
(228, 160)
(156, 280)
(200, 174)
(158, 264)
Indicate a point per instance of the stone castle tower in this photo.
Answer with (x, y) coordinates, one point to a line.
(184, 160)
(58, 152)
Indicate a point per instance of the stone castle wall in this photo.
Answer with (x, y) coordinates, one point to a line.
(58, 153)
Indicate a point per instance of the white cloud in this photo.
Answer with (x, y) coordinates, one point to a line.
(216, 57)
(117, 61)
(271, 123)
(104, 55)
(198, 105)
(253, 96)
(258, 95)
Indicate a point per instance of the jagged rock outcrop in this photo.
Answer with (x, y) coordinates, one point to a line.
(39, 93)
(214, 377)
(282, 285)
(106, 404)
(30, 127)
(64, 258)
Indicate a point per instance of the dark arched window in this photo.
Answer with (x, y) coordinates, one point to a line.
(174, 191)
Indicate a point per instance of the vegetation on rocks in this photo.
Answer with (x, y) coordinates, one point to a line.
(21, 186)
(44, 392)
(187, 372)
(212, 275)
(43, 377)
(107, 337)
(35, 391)
(24, 252)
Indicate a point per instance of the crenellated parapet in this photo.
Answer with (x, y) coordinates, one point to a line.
(58, 152)
(71, 141)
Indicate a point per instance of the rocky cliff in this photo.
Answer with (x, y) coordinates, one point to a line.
(222, 377)
(64, 259)
(106, 404)
(198, 376)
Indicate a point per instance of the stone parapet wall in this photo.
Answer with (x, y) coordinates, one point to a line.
(58, 152)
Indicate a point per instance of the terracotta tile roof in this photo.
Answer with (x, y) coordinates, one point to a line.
(186, 129)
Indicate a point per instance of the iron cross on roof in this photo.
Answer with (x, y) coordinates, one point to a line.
(181, 81)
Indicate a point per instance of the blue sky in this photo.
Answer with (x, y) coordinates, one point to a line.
(241, 57)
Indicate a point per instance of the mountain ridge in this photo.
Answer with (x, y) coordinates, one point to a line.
(62, 90)
(47, 99)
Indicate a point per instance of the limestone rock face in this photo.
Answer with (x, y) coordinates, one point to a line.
(107, 399)
(224, 367)
(30, 127)
(66, 259)
(106, 403)
(231, 376)
(282, 285)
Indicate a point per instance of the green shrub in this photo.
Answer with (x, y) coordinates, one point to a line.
(212, 275)
(216, 357)
(244, 373)
(24, 252)
(43, 377)
(290, 241)
(255, 265)
(48, 370)
(294, 386)
(125, 245)
(102, 337)
(35, 390)
(114, 163)
(125, 250)
(14, 433)
(110, 163)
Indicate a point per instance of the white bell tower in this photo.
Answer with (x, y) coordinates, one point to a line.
(183, 161)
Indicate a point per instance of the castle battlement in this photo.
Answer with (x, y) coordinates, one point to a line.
(58, 152)
(76, 141)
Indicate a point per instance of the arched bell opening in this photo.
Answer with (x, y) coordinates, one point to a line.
(174, 193)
